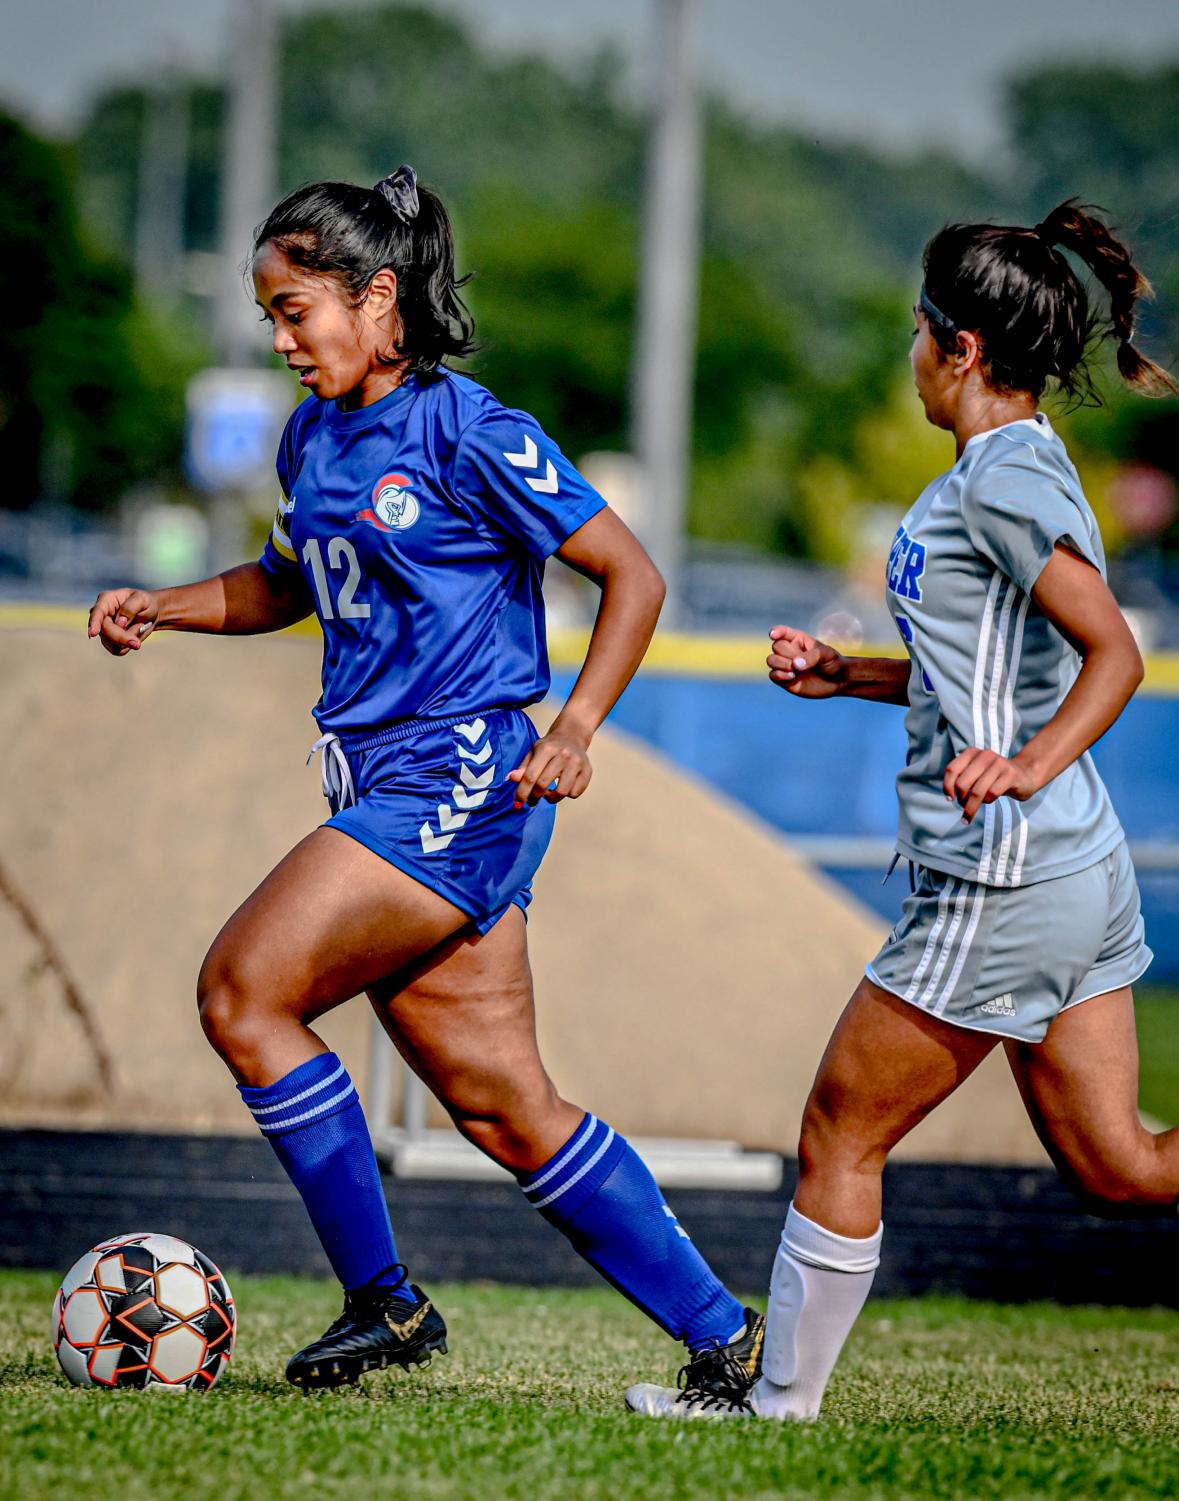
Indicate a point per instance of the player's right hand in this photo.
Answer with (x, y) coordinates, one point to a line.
(122, 619)
(803, 666)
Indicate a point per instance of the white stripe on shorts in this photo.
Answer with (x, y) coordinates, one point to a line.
(948, 944)
(943, 903)
(971, 927)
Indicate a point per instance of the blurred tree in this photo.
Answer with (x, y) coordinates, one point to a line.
(811, 249)
(1107, 134)
(90, 398)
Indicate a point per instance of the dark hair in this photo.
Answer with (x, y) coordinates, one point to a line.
(1028, 306)
(351, 233)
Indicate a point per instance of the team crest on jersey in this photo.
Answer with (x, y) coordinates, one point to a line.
(394, 507)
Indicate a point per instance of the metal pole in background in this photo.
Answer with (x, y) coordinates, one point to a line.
(248, 172)
(163, 173)
(247, 192)
(669, 297)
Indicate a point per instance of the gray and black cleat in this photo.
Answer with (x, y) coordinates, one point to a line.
(715, 1383)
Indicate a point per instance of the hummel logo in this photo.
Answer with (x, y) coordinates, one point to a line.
(529, 458)
(1002, 1005)
(411, 1325)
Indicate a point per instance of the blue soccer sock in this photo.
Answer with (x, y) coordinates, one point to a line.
(313, 1120)
(601, 1195)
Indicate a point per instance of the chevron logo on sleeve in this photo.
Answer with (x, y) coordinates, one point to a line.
(529, 458)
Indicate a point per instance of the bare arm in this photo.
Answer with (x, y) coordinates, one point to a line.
(808, 668)
(1077, 600)
(244, 601)
(604, 550)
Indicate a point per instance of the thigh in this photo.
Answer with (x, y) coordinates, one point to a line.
(887, 1065)
(1080, 1085)
(328, 921)
(440, 806)
(463, 1018)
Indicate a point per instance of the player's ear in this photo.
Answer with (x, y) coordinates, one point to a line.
(967, 352)
(381, 298)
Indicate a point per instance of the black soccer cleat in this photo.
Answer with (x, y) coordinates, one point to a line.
(715, 1383)
(380, 1326)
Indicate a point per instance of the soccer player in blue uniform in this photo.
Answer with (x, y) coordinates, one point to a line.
(416, 516)
(1023, 924)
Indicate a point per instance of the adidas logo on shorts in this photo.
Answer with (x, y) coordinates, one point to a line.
(1002, 1005)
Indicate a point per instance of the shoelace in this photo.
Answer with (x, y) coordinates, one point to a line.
(356, 1300)
(715, 1378)
(336, 776)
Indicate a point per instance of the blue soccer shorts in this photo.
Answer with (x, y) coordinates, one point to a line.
(433, 798)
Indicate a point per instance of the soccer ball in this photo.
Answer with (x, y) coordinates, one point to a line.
(144, 1310)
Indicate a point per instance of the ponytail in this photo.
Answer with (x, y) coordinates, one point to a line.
(1014, 288)
(1089, 238)
(350, 233)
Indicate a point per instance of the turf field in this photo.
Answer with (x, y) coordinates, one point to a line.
(936, 1398)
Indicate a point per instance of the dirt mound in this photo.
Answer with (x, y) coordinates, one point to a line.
(689, 968)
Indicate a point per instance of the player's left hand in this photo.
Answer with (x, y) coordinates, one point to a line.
(558, 758)
(980, 776)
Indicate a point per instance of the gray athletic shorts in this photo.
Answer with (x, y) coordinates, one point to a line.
(1009, 959)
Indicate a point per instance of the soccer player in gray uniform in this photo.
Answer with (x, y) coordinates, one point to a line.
(1024, 903)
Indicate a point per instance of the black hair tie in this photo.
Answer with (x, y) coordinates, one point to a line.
(1044, 231)
(400, 192)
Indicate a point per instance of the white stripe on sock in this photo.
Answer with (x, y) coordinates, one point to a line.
(575, 1146)
(307, 1115)
(580, 1173)
(296, 1098)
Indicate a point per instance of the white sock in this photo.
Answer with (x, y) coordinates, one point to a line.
(819, 1284)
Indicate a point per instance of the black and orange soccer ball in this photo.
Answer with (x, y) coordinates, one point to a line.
(144, 1310)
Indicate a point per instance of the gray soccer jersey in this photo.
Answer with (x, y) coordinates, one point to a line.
(989, 670)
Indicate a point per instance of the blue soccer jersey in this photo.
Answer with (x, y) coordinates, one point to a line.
(419, 526)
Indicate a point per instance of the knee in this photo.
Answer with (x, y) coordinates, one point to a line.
(229, 1010)
(832, 1140)
(1121, 1192)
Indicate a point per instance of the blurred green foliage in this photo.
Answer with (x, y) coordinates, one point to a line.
(91, 393)
(811, 250)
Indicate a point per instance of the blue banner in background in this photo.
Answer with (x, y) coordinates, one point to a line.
(826, 772)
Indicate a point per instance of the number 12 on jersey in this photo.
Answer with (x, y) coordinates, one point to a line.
(340, 554)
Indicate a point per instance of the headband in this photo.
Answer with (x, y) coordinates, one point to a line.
(935, 314)
(400, 191)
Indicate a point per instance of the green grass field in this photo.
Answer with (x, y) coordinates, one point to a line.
(936, 1398)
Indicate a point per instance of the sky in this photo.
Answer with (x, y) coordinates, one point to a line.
(905, 74)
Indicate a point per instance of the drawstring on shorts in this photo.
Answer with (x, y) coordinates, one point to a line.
(334, 771)
(893, 863)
